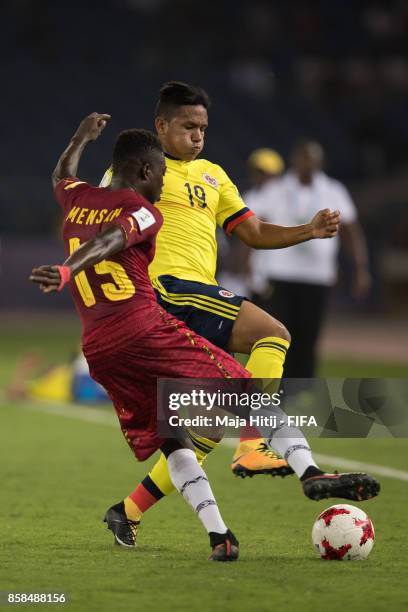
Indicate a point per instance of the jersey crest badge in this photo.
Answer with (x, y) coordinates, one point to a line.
(210, 180)
(226, 294)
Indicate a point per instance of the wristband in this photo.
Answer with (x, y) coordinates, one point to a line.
(65, 274)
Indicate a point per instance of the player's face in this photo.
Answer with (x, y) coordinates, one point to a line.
(308, 159)
(182, 136)
(157, 170)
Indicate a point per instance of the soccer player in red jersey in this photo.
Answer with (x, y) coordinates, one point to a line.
(129, 341)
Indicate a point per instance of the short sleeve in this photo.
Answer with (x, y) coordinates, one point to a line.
(231, 207)
(139, 223)
(346, 206)
(66, 187)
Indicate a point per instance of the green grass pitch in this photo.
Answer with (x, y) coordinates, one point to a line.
(59, 474)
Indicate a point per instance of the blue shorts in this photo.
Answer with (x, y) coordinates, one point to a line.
(209, 310)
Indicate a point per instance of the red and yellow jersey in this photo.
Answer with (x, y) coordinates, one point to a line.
(197, 196)
(114, 297)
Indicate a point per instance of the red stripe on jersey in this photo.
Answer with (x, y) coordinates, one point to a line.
(237, 221)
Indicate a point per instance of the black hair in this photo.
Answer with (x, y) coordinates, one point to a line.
(135, 145)
(175, 93)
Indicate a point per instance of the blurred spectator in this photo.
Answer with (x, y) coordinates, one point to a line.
(297, 280)
(264, 165)
(65, 382)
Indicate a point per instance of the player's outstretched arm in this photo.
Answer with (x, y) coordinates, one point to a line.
(89, 130)
(261, 235)
(107, 243)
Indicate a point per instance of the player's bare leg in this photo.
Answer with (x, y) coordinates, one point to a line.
(266, 340)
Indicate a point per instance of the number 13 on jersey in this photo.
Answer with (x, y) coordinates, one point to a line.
(121, 288)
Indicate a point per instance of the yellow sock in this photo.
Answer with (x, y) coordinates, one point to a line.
(160, 473)
(265, 361)
(202, 446)
(132, 510)
(267, 357)
(161, 477)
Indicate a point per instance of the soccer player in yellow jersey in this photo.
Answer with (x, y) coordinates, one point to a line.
(197, 196)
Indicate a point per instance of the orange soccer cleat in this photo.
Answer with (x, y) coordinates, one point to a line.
(255, 457)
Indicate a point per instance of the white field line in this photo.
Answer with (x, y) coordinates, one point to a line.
(74, 411)
(96, 415)
(349, 464)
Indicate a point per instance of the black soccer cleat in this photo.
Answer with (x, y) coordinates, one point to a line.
(124, 529)
(225, 546)
(357, 486)
(243, 472)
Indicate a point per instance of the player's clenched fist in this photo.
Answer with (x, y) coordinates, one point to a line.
(92, 126)
(325, 224)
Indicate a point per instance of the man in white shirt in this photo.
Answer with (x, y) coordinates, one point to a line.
(264, 166)
(299, 278)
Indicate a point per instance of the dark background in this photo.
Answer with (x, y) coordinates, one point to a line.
(333, 70)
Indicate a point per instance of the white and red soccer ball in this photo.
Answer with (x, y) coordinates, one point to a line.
(343, 532)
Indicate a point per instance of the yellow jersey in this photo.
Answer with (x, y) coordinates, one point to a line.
(196, 197)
